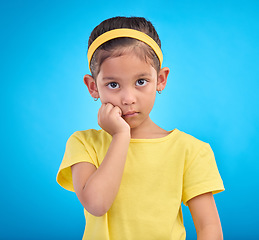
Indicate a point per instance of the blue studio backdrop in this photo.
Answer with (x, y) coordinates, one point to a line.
(211, 48)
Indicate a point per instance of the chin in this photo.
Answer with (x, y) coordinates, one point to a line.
(133, 124)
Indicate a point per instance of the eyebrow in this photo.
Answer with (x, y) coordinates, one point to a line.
(143, 75)
(110, 78)
(136, 76)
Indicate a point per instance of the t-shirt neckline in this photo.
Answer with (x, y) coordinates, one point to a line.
(170, 135)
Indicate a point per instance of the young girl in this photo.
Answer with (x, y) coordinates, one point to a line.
(131, 176)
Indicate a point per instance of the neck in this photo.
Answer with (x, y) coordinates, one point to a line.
(148, 130)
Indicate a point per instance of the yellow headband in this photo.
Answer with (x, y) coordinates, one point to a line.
(124, 32)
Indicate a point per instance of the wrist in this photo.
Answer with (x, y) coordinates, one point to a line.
(122, 135)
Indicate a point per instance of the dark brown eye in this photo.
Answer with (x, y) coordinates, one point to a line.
(113, 85)
(141, 82)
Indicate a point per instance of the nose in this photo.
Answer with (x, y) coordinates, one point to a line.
(128, 97)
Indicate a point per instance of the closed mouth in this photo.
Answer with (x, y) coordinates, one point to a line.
(129, 114)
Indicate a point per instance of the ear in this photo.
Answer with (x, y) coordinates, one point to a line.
(162, 78)
(91, 85)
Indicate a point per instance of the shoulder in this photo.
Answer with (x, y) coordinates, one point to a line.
(91, 136)
(189, 145)
(188, 140)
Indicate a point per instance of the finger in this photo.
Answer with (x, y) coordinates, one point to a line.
(105, 111)
(108, 107)
(116, 110)
(105, 107)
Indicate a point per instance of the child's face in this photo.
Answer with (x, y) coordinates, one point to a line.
(129, 83)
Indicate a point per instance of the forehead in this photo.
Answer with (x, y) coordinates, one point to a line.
(126, 63)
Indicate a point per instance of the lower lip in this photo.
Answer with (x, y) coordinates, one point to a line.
(131, 115)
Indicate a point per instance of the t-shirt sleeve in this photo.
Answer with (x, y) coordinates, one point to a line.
(201, 175)
(77, 150)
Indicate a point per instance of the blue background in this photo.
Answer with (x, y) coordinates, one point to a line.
(211, 48)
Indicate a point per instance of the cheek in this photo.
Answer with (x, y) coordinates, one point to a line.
(152, 100)
(151, 94)
(109, 98)
(148, 100)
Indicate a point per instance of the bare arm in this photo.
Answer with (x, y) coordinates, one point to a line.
(97, 188)
(205, 217)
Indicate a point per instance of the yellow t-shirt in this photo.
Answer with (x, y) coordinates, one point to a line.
(159, 174)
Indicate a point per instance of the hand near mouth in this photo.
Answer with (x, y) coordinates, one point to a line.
(110, 119)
